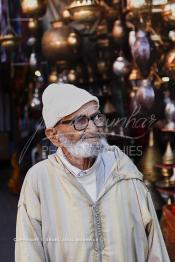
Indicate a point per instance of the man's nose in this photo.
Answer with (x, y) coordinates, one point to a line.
(91, 126)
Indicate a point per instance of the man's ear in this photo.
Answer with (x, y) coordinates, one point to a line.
(52, 135)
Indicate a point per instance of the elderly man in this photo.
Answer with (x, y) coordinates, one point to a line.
(87, 202)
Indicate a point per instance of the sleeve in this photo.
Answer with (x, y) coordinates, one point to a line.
(28, 242)
(157, 248)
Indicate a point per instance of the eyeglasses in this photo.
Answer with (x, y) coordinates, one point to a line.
(81, 122)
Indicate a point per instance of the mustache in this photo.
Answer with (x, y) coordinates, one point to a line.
(90, 135)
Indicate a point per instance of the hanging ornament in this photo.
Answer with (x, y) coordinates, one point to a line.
(59, 42)
(170, 115)
(168, 157)
(151, 156)
(142, 52)
(53, 76)
(135, 75)
(33, 24)
(169, 12)
(121, 66)
(85, 11)
(118, 32)
(34, 8)
(133, 5)
(170, 63)
(8, 38)
(145, 94)
(72, 76)
(171, 35)
(33, 59)
(143, 6)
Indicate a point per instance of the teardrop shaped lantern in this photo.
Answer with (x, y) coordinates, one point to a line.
(33, 8)
(142, 52)
(59, 42)
(85, 11)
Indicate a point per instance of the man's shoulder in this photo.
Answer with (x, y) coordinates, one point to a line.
(39, 167)
(125, 167)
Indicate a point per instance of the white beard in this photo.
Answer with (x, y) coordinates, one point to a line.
(83, 149)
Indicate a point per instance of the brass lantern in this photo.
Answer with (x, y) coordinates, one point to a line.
(169, 12)
(135, 4)
(59, 42)
(9, 40)
(150, 157)
(168, 157)
(144, 5)
(85, 11)
(34, 7)
(118, 32)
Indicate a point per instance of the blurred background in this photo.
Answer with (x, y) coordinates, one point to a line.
(122, 51)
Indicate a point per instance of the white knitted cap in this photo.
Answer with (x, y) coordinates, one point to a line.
(60, 100)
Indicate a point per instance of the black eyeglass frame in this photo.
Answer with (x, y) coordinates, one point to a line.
(92, 117)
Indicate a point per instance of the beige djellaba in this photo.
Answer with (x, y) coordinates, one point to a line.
(58, 221)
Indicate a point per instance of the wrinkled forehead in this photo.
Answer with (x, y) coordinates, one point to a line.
(87, 109)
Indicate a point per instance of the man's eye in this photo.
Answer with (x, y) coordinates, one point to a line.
(81, 120)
